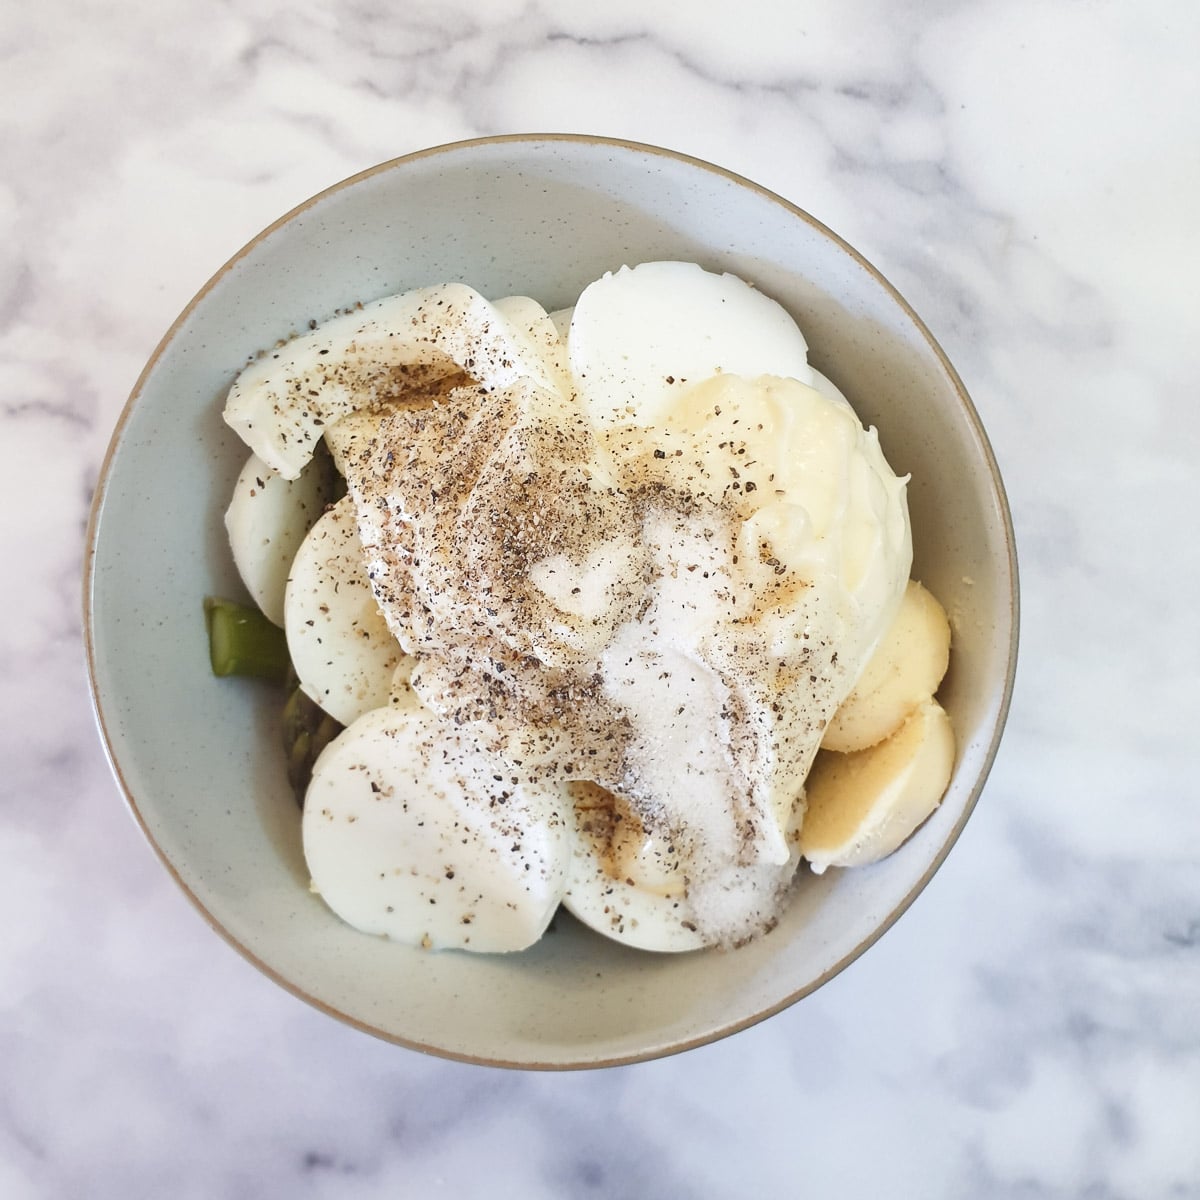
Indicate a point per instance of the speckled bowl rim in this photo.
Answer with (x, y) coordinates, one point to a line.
(968, 409)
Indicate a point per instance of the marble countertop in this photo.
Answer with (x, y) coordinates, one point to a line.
(1028, 174)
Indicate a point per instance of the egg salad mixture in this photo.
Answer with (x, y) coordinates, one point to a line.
(602, 584)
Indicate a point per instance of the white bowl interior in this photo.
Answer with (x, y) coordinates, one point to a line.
(198, 757)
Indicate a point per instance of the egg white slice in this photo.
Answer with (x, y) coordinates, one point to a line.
(624, 882)
(343, 652)
(530, 320)
(267, 519)
(415, 831)
(641, 335)
(402, 694)
(282, 402)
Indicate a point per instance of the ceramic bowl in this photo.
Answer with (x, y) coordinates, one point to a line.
(198, 757)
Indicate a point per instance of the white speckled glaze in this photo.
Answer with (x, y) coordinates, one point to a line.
(198, 758)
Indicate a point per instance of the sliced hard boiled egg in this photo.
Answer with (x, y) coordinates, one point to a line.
(529, 319)
(343, 652)
(282, 402)
(415, 831)
(904, 669)
(267, 519)
(863, 805)
(642, 334)
(402, 694)
(626, 883)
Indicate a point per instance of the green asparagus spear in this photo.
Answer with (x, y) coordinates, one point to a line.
(241, 641)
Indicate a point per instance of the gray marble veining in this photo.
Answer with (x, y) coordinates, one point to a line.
(1029, 176)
